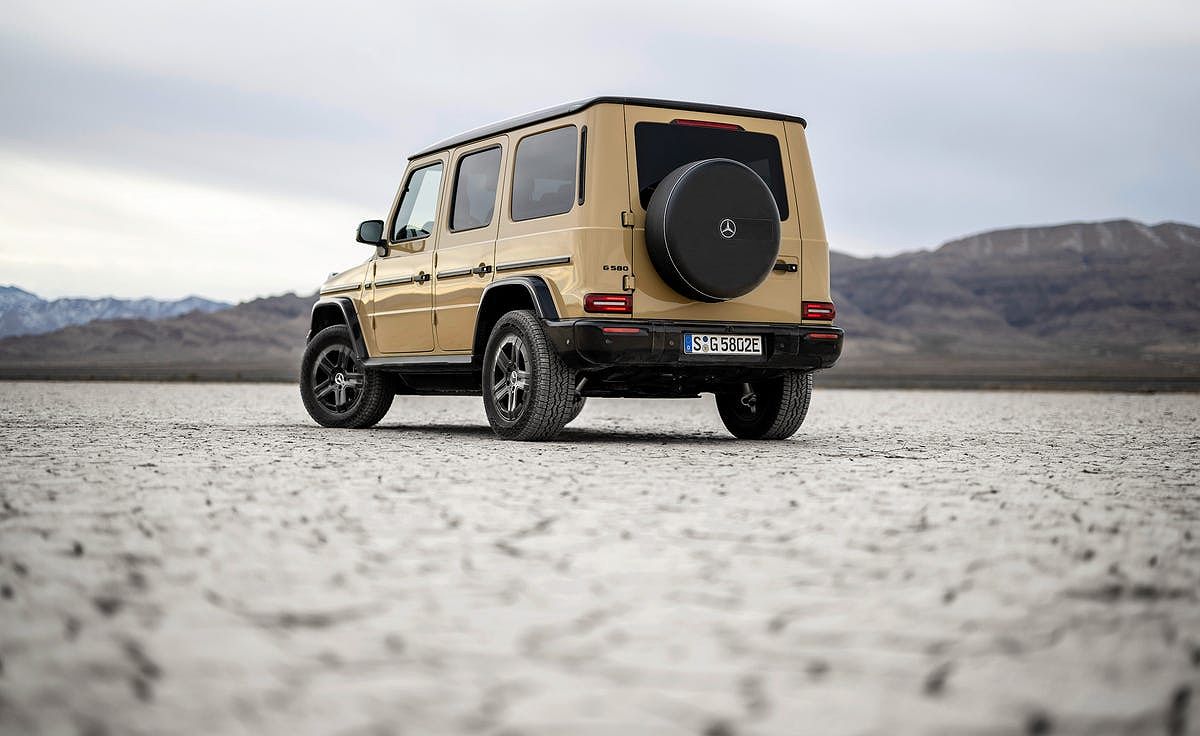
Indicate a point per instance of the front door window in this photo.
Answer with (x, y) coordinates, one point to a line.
(417, 213)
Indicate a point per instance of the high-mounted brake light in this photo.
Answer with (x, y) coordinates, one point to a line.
(706, 124)
(817, 310)
(608, 303)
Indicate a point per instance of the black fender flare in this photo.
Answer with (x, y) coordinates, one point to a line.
(539, 292)
(534, 287)
(337, 310)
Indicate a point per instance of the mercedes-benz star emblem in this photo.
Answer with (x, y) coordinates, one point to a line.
(728, 228)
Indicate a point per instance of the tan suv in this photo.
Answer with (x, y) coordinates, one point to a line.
(609, 247)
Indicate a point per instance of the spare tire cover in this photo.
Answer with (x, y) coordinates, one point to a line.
(712, 230)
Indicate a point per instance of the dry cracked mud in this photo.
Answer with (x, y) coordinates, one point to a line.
(179, 559)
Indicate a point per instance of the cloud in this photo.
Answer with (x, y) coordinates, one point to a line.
(927, 119)
(71, 230)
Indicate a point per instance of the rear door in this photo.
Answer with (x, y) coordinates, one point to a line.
(671, 138)
(466, 248)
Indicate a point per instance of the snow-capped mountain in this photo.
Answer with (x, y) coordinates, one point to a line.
(23, 313)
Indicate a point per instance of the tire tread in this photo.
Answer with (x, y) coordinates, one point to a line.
(782, 419)
(552, 403)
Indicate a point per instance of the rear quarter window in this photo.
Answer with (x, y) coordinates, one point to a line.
(664, 147)
(544, 174)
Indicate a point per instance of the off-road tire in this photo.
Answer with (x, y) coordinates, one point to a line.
(370, 404)
(779, 408)
(549, 393)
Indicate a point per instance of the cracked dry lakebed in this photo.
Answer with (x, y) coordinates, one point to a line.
(203, 559)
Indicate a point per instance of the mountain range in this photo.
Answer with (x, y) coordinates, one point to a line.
(1084, 302)
(256, 340)
(23, 313)
(1094, 305)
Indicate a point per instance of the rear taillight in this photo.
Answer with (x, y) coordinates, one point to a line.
(817, 310)
(608, 303)
(706, 124)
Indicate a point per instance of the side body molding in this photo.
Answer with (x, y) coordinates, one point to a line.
(338, 311)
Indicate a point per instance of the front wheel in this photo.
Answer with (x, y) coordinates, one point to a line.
(528, 392)
(337, 390)
(773, 409)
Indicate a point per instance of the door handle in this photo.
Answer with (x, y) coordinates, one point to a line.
(421, 278)
(482, 269)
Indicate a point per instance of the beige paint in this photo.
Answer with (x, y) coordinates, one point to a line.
(589, 234)
(814, 268)
(400, 318)
(347, 283)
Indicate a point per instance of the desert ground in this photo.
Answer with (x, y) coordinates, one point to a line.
(202, 559)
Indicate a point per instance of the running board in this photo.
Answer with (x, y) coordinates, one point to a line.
(422, 364)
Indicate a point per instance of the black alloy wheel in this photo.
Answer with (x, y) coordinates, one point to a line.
(337, 389)
(337, 379)
(528, 392)
(510, 377)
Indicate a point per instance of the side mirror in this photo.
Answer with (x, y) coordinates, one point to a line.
(370, 232)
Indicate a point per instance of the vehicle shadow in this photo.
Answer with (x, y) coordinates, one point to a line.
(570, 435)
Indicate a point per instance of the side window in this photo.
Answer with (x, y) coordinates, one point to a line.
(417, 213)
(475, 190)
(544, 174)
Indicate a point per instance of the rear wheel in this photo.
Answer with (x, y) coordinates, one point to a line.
(528, 392)
(773, 409)
(337, 390)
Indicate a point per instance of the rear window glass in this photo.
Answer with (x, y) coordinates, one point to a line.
(475, 190)
(544, 174)
(664, 147)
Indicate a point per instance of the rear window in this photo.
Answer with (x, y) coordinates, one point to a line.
(544, 174)
(664, 147)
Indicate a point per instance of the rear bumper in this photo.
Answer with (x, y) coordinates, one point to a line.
(583, 343)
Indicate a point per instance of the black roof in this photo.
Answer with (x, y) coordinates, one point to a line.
(569, 108)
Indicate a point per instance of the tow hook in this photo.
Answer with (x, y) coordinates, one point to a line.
(749, 398)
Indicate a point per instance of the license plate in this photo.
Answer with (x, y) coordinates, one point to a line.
(722, 344)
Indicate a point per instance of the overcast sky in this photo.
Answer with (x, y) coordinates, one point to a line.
(228, 149)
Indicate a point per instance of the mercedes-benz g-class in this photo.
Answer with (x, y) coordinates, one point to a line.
(612, 247)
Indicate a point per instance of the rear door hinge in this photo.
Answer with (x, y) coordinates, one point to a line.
(627, 282)
(626, 219)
